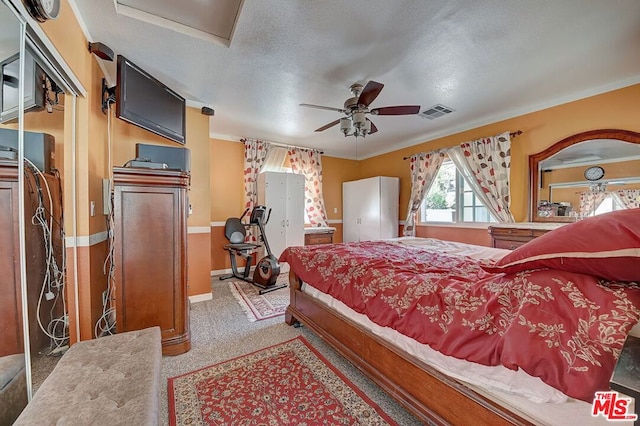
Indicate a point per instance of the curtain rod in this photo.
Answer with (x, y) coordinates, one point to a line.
(512, 134)
(283, 145)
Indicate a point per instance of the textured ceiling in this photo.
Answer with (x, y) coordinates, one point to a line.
(487, 60)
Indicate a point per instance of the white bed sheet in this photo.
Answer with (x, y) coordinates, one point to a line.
(525, 394)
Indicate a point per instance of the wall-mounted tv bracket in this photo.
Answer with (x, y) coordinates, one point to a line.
(108, 96)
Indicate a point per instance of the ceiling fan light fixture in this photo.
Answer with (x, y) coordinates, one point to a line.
(359, 119)
(356, 109)
(345, 126)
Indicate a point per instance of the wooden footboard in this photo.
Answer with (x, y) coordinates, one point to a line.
(429, 394)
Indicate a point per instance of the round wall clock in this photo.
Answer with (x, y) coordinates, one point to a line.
(594, 173)
(43, 10)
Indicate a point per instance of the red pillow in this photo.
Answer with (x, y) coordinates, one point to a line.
(606, 246)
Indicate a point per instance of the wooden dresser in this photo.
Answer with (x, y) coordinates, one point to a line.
(512, 235)
(313, 236)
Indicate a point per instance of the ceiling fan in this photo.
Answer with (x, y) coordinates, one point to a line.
(355, 123)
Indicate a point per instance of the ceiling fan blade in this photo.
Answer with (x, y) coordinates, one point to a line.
(322, 107)
(370, 93)
(397, 110)
(373, 127)
(326, 126)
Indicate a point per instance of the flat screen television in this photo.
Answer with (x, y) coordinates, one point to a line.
(144, 101)
(33, 86)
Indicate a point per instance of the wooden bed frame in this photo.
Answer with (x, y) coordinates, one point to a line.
(430, 395)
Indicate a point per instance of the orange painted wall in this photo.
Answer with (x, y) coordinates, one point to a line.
(199, 263)
(616, 109)
(226, 159)
(335, 171)
(227, 192)
(219, 190)
(66, 35)
(226, 179)
(199, 237)
(92, 155)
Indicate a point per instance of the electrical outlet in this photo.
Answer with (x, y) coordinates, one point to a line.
(92, 208)
(335, 210)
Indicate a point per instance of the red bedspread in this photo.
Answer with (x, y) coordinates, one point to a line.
(565, 328)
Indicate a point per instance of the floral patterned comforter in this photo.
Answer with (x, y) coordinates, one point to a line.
(568, 329)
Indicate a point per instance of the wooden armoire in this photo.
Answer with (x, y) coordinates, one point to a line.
(150, 221)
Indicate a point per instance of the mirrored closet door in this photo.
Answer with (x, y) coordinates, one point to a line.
(37, 113)
(13, 372)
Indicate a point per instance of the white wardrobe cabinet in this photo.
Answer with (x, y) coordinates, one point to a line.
(370, 209)
(283, 193)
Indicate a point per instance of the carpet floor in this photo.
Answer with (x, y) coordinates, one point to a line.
(220, 331)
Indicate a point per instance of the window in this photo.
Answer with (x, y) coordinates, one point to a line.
(278, 161)
(609, 204)
(451, 199)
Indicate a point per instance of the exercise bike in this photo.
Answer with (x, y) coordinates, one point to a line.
(267, 269)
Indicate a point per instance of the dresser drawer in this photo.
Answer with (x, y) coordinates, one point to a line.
(507, 244)
(510, 238)
(318, 238)
(508, 233)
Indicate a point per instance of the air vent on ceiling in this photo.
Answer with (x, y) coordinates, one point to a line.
(436, 111)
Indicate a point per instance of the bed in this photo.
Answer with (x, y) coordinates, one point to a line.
(519, 337)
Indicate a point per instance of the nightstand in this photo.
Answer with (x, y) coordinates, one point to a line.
(626, 375)
(510, 236)
(313, 236)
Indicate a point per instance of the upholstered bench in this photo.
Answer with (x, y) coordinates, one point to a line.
(13, 388)
(113, 380)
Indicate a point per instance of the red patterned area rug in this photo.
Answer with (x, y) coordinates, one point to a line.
(287, 384)
(260, 306)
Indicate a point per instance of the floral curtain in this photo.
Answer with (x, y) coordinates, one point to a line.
(590, 200)
(485, 164)
(255, 152)
(629, 198)
(424, 168)
(309, 163)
